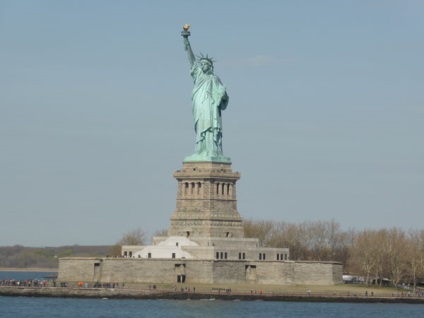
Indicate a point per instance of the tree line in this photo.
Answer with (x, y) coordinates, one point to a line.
(392, 254)
(19, 256)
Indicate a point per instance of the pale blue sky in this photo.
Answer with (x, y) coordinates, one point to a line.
(325, 121)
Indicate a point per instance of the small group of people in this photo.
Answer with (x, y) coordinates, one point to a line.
(418, 293)
(105, 285)
(185, 289)
(82, 284)
(26, 282)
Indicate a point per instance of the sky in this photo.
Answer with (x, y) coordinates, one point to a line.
(325, 119)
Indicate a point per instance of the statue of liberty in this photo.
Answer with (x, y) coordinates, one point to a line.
(209, 99)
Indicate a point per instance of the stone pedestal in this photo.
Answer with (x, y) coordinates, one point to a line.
(206, 202)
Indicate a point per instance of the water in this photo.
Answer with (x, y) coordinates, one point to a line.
(17, 307)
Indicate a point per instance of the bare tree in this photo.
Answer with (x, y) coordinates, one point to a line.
(310, 240)
(344, 247)
(415, 255)
(324, 238)
(291, 236)
(316, 240)
(133, 237)
(380, 254)
(162, 232)
(396, 254)
(259, 229)
(363, 253)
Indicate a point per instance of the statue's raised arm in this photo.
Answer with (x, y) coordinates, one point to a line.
(209, 98)
(186, 33)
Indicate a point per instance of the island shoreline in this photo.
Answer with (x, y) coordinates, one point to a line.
(124, 293)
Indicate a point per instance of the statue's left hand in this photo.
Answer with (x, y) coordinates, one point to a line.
(186, 44)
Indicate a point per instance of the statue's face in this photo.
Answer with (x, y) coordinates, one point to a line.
(206, 67)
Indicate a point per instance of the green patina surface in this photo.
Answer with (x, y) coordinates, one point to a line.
(209, 98)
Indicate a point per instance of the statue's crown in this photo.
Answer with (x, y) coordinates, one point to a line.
(205, 58)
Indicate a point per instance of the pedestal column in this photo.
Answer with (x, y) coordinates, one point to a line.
(210, 208)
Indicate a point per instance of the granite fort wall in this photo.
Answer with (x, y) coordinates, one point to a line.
(319, 273)
(198, 271)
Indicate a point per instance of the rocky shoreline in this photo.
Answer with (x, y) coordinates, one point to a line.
(126, 293)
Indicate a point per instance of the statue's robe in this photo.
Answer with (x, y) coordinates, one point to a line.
(208, 102)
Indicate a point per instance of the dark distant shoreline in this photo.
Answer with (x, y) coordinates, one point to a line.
(124, 293)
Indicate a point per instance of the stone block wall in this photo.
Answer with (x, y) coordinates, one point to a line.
(275, 273)
(229, 272)
(318, 272)
(198, 271)
(79, 269)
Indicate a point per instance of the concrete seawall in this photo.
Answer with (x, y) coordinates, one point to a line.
(126, 293)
